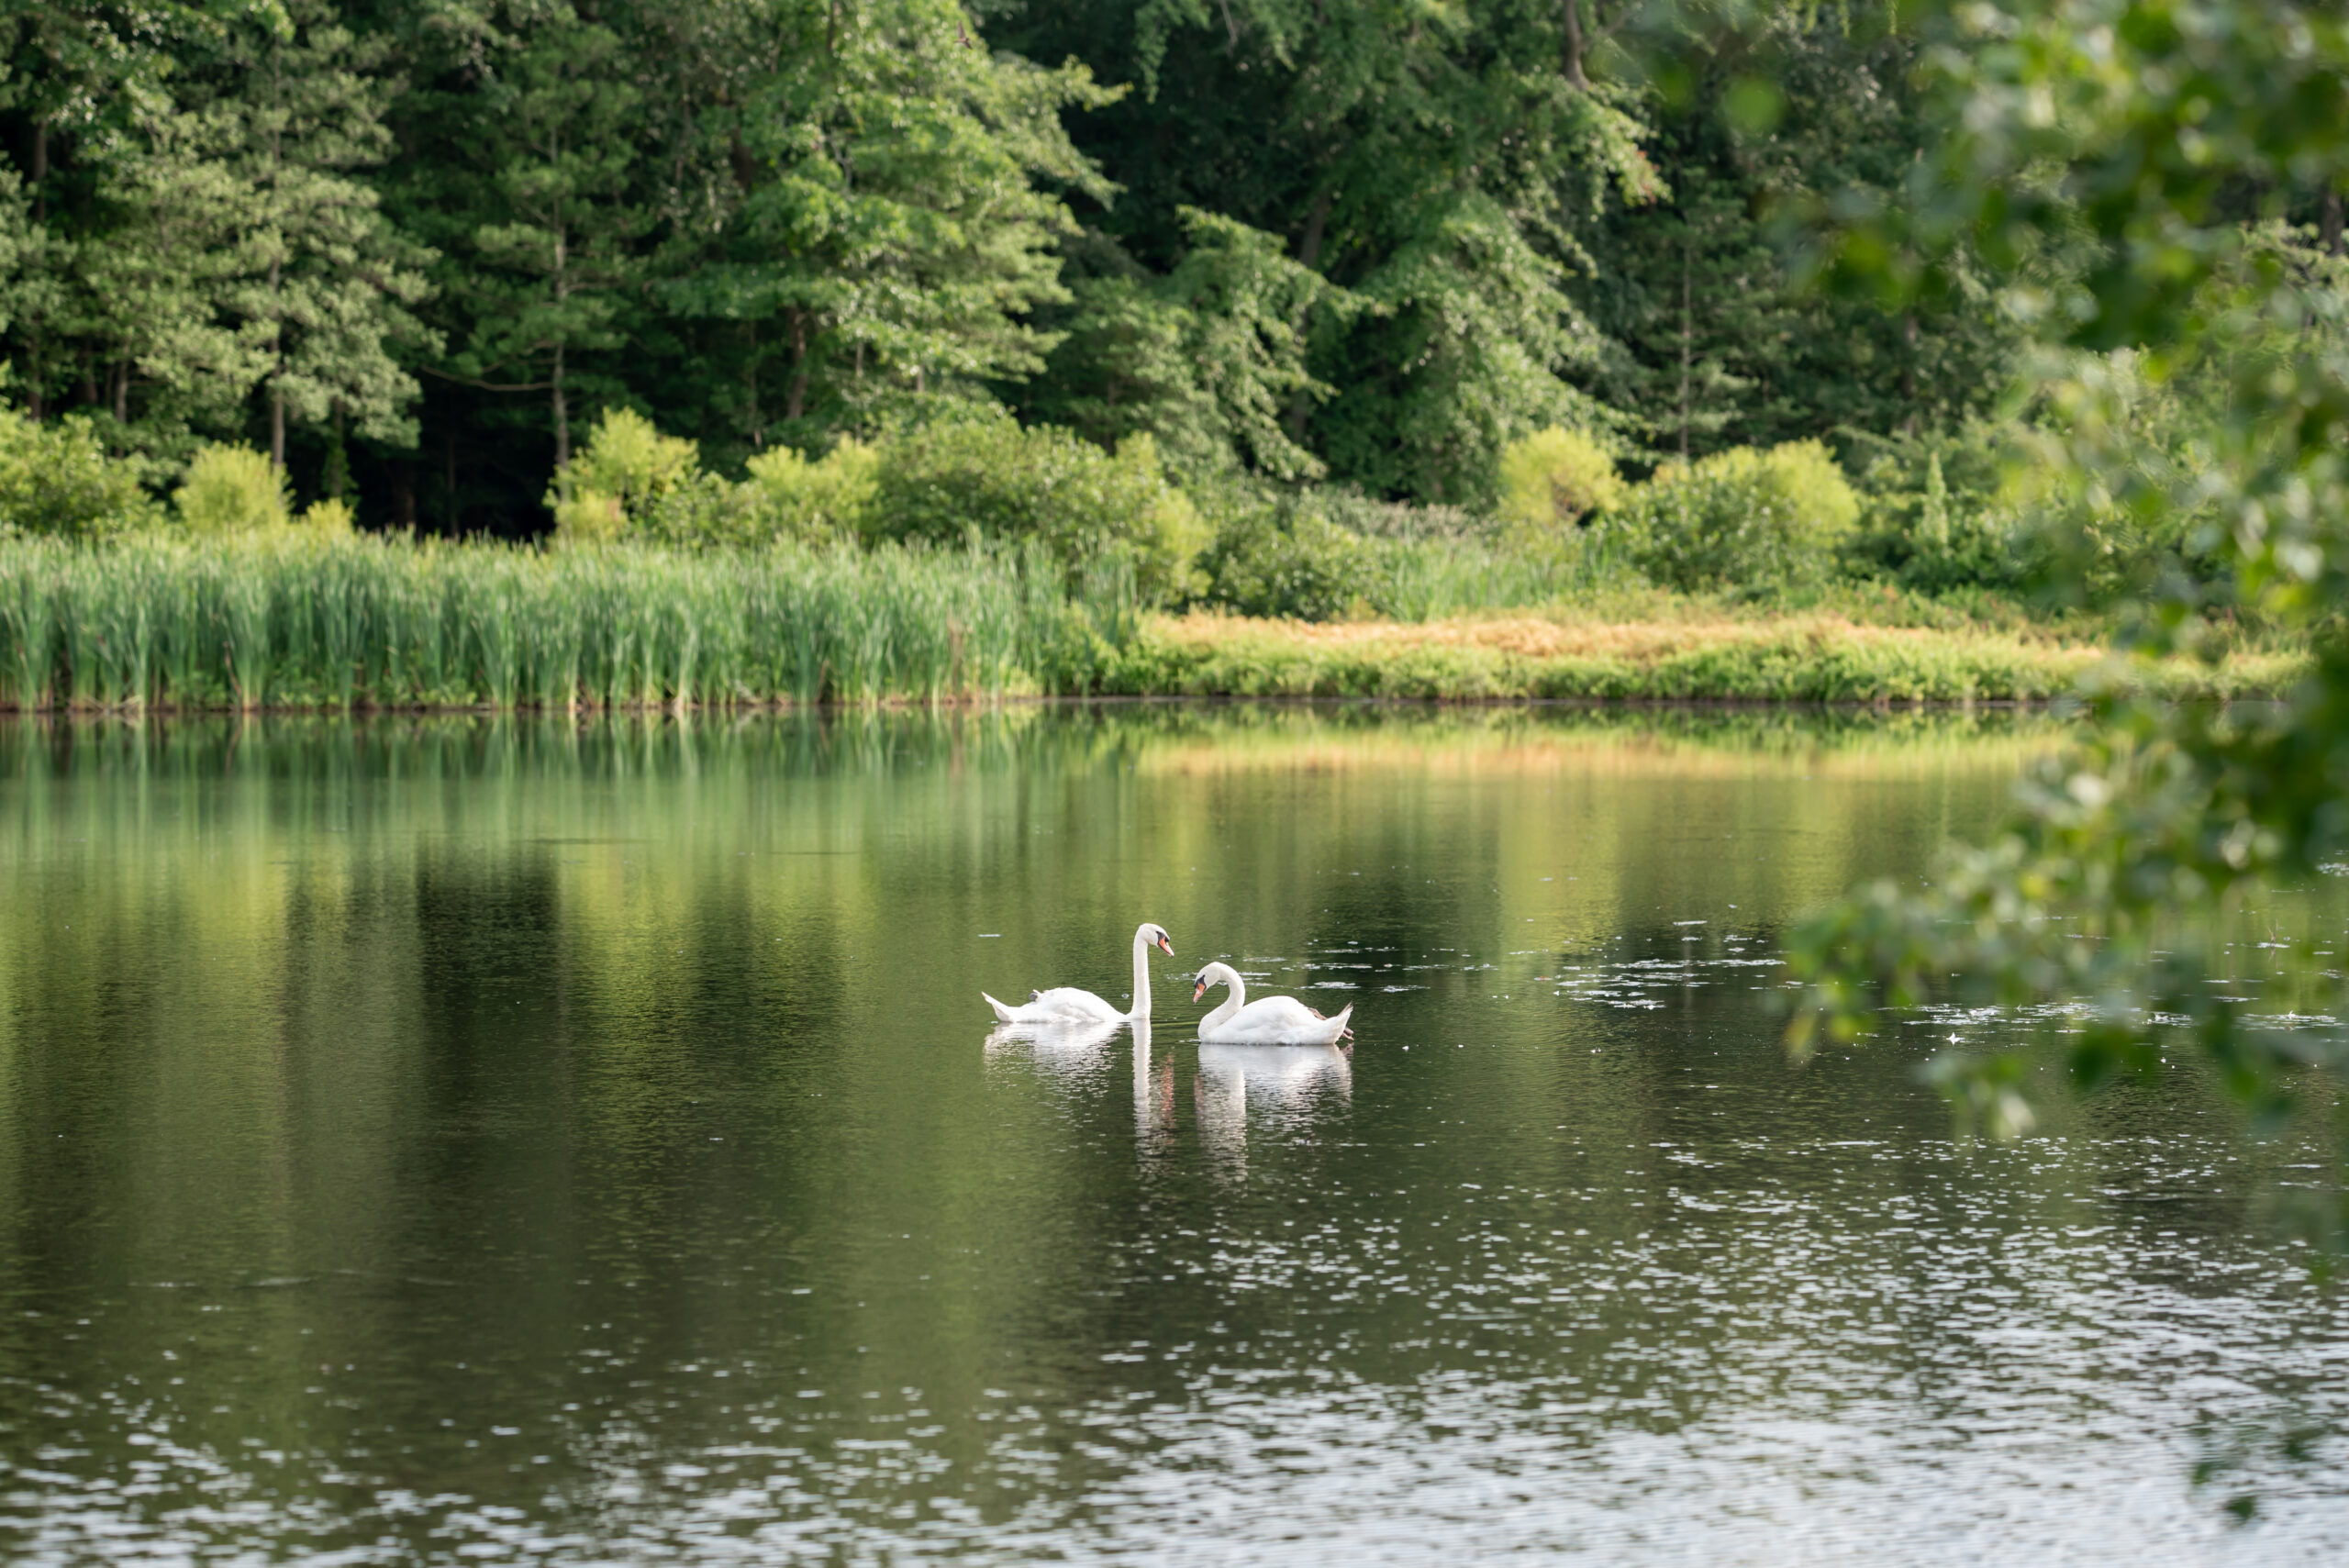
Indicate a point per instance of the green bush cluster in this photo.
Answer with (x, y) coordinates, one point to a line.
(56, 479)
(977, 473)
(1276, 558)
(1740, 519)
(1100, 512)
(1554, 480)
(1929, 515)
(1935, 516)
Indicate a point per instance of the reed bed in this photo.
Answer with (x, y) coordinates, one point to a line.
(1425, 580)
(302, 621)
(293, 619)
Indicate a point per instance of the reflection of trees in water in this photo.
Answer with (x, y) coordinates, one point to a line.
(1287, 1088)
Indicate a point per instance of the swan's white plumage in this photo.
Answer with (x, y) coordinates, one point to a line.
(1065, 1006)
(1271, 1020)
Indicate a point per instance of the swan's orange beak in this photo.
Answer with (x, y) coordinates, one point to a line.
(1166, 947)
(1198, 991)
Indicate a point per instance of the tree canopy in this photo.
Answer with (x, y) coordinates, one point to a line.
(411, 249)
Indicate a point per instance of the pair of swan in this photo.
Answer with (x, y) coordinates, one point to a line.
(1271, 1020)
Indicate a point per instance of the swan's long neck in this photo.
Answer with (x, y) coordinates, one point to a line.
(1232, 1002)
(1141, 975)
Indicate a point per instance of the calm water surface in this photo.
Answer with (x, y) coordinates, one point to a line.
(434, 1141)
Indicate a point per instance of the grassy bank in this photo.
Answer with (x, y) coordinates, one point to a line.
(1809, 657)
(303, 619)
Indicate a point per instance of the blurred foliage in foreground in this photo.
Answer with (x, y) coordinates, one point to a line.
(2122, 165)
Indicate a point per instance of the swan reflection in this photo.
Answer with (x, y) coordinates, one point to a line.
(1287, 1087)
(1154, 1136)
(1066, 1053)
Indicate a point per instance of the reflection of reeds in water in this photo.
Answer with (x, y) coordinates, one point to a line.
(1149, 739)
(1627, 742)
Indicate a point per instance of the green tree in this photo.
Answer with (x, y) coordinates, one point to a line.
(74, 70)
(147, 307)
(327, 282)
(1706, 341)
(879, 226)
(538, 214)
(1440, 169)
(1210, 360)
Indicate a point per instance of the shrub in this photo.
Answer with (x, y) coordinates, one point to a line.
(57, 479)
(1417, 521)
(587, 517)
(835, 497)
(1286, 560)
(1741, 518)
(231, 490)
(331, 516)
(1555, 479)
(621, 477)
(1934, 514)
(978, 470)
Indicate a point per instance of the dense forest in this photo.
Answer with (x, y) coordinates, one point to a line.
(411, 247)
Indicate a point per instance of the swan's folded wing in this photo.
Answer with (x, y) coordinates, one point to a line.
(1069, 1002)
(1286, 1010)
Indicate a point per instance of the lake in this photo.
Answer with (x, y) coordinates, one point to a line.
(432, 1140)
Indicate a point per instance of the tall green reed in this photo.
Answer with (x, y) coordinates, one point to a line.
(297, 619)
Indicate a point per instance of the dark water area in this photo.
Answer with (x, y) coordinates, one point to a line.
(447, 1140)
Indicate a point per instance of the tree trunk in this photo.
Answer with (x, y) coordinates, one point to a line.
(276, 279)
(336, 481)
(561, 408)
(1687, 327)
(276, 376)
(1909, 372)
(1317, 222)
(2328, 223)
(1570, 46)
(562, 431)
(795, 402)
(122, 393)
(33, 401)
(751, 382)
(1308, 252)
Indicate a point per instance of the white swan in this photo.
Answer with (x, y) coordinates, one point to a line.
(1065, 1005)
(1275, 1020)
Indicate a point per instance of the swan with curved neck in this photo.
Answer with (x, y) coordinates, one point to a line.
(1273, 1020)
(1066, 1004)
